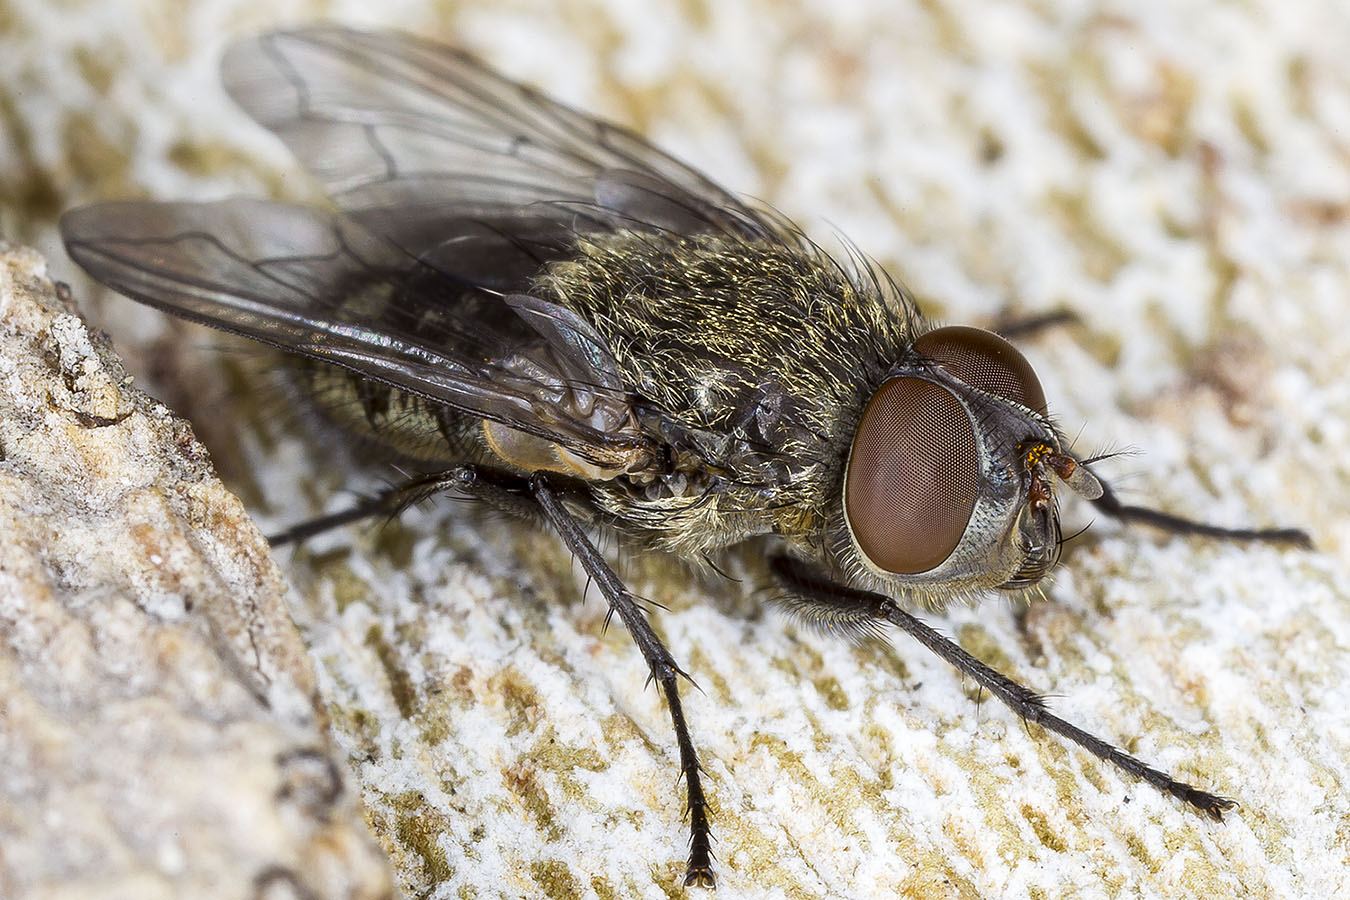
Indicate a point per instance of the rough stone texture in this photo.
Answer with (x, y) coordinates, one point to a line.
(1176, 174)
(159, 724)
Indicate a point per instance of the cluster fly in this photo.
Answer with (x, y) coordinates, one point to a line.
(555, 317)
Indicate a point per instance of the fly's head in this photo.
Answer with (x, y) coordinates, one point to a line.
(949, 487)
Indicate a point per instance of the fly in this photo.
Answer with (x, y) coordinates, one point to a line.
(564, 322)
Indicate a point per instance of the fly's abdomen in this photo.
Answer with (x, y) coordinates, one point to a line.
(420, 429)
(390, 419)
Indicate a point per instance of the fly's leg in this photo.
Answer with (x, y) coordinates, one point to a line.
(1030, 326)
(530, 498)
(392, 501)
(368, 507)
(661, 664)
(1110, 504)
(385, 504)
(853, 612)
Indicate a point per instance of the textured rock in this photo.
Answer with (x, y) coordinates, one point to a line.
(159, 722)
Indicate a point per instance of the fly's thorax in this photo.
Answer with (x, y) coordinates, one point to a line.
(688, 513)
(740, 350)
(948, 489)
(744, 356)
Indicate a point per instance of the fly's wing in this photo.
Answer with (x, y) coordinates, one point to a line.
(320, 285)
(457, 188)
(411, 138)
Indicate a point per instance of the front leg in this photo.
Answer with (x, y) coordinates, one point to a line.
(1110, 504)
(855, 613)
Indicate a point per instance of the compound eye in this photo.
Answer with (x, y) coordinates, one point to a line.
(912, 476)
(985, 361)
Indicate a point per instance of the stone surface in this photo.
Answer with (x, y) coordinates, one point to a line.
(1176, 174)
(159, 723)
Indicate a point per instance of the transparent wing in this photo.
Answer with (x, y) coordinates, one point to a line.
(457, 188)
(408, 136)
(320, 285)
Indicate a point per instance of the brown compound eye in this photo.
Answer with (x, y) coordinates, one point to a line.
(986, 361)
(912, 476)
